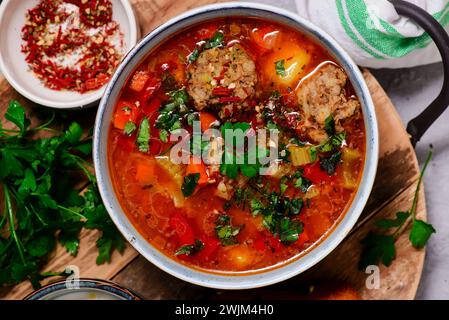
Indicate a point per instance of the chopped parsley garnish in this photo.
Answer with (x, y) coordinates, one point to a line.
(329, 125)
(130, 127)
(194, 55)
(301, 182)
(172, 113)
(190, 249)
(277, 210)
(235, 157)
(280, 68)
(143, 136)
(329, 164)
(215, 41)
(225, 232)
(189, 184)
(380, 247)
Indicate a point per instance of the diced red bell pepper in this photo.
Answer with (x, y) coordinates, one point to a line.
(151, 106)
(314, 173)
(126, 143)
(155, 146)
(210, 247)
(267, 241)
(183, 230)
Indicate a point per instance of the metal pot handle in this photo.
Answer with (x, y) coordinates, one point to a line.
(419, 125)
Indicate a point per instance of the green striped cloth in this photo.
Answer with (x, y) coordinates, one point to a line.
(373, 33)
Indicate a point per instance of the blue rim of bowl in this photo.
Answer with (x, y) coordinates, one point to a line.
(235, 280)
(107, 287)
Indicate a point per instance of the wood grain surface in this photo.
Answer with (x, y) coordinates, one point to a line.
(393, 191)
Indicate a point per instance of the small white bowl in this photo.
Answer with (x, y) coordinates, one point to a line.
(16, 70)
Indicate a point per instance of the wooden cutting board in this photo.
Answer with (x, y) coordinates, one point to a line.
(395, 183)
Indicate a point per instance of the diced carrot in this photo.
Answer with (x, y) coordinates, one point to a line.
(198, 168)
(206, 120)
(125, 112)
(145, 171)
(139, 80)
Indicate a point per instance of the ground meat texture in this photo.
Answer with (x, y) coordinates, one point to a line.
(222, 78)
(321, 95)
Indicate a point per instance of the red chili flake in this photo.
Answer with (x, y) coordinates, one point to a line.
(229, 99)
(47, 45)
(221, 91)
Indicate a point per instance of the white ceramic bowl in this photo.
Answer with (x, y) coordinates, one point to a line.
(16, 71)
(233, 280)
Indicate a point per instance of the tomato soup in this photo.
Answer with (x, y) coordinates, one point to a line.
(243, 75)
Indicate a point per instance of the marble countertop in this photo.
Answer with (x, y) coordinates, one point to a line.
(411, 90)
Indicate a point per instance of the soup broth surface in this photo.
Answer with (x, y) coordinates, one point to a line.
(237, 74)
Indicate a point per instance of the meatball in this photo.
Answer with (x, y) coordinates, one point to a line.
(322, 95)
(222, 78)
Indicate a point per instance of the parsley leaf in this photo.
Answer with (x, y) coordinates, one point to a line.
(189, 184)
(225, 231)
(329, 125)
(172, 114)
(143, 136)
(420, 233)
(377, 248)
(194, 55)
(215, 41)
(280, 68)
(129, 128)
(400, 219)
(190, 249)
(16, 114)
(73, 133)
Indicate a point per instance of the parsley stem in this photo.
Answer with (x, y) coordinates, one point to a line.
(9, 130)
(19, 200)
(45, 125)
(421, 175)
(12, 227)
(72, 212)
(412, 217)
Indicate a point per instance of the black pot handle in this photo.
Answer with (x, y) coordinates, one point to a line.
(419, 125)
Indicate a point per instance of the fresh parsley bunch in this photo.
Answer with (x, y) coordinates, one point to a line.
(44, 200)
